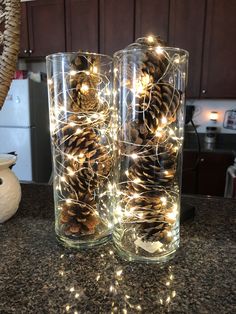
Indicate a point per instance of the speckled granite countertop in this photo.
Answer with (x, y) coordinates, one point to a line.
(39, 276)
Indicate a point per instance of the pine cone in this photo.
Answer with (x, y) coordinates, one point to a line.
(79, 218)
(158, 106)
(149, 216)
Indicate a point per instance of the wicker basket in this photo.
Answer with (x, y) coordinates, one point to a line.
(10, 40)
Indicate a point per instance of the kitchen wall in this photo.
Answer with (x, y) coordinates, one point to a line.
(203, 109)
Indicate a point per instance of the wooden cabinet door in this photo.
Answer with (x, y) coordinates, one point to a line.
(187, 18)
(24, 38)
(82, 25)
(46, 27)
(219, 66)
(212, 173)
(152, 18)
(189, 172)
(116, 25)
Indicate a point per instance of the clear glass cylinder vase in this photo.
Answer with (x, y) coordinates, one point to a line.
(150, 95)
(80, 94)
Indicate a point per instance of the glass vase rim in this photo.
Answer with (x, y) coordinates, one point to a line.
(85, 53)
(145, 48)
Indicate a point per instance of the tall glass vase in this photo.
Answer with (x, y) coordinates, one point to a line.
(150, 95)
(80, 93)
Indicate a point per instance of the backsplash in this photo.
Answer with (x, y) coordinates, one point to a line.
(203, 108)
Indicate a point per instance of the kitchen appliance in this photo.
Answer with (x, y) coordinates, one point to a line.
(230, 119)
(211, 133)
(24, 128)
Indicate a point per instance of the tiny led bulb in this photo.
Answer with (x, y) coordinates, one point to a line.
(158, 134)
(84, 88)
(145, 79)
(95, 69)
(72, 72)
(136, 180)
(78, 131)
(159, 50)
(72, 124)
(163, 120)
(134, 156)
(150, 39)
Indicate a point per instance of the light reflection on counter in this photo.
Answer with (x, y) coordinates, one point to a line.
(114, 287)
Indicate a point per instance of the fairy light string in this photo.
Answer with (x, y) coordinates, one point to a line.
(81, 131)
(150, 141)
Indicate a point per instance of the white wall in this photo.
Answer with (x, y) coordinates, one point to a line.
(202, 113)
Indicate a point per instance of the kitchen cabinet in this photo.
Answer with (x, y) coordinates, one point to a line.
(116, 25)
(152, 17)
(212, 172)
(186, 31)
(208, 178)
(219, 62)
(189, 173)
(45, 28)
(81, 25)
(24, 40)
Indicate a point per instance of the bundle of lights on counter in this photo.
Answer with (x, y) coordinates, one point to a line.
(150, 83)
(81, 132)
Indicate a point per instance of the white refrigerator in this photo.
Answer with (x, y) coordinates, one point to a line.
(24, 129)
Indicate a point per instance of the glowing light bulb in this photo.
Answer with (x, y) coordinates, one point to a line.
(163, 200)
(76, 295)
(72, 72)
(163, 120)
(78, 131)
(171, 216)
(139, 88)
(136, 180)
(50, 81)
(63, 179)
(127, 173)
(136, 195)
(95, 69)
(150, 39)
(177, 60)
(81, 155)
(72, 289)
(68, 201)
(214, 116)
(84, 88)
(158, 133)
(72, 124)
(171, 132)
(70, 171)
(159, 50)
(134, 156)
(145, 79)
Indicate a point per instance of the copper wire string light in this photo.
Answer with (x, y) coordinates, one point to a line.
(150, 83)
(81, 126)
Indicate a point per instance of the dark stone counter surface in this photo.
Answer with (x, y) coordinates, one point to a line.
(39, 276)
